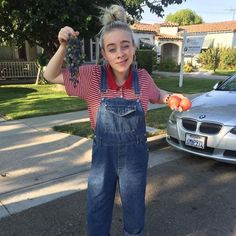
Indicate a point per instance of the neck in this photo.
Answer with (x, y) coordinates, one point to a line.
(121, 77)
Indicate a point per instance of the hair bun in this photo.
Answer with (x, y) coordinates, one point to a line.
(113, 13)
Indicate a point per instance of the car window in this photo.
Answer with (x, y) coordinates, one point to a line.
(229, 84)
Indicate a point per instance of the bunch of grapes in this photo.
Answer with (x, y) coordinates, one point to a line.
(74, 58)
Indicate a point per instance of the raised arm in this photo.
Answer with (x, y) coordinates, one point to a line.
(53, 71)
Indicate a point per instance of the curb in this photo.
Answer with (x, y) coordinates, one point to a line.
(157, 141)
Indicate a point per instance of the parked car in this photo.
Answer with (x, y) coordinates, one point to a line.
(208, 129)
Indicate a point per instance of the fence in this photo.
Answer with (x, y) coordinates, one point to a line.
(18, 70)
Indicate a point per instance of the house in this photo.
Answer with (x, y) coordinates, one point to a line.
(169, 37)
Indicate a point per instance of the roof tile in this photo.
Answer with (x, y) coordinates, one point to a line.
(211, 27)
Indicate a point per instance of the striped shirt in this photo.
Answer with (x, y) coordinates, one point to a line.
(88, 89)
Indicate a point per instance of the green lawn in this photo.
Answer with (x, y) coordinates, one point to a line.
(190, 85)
(225, 72)
(22, 101)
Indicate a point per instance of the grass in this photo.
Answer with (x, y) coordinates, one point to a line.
(22, 101)
(82, 129)
(156, 118)
(190, 85)
(225, 72)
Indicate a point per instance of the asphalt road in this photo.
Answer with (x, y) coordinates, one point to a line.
(186, 196)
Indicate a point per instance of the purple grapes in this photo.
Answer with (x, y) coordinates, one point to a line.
(74, 58)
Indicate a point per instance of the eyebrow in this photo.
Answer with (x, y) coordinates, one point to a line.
(113, 44)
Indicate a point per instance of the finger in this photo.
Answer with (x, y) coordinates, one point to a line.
(174, 108)
(67, 32)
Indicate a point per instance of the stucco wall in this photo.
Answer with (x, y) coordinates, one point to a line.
(234, 40)
(221, 39)
(169, 30)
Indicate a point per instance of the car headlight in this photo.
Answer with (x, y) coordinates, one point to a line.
(233, 131)
(172, 117)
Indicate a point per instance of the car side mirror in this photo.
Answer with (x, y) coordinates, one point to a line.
(217, 84)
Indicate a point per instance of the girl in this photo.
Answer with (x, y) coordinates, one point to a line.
(117, 95)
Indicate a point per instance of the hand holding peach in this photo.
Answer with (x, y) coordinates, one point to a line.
(180, 102)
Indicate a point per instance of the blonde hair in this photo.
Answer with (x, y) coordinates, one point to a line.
(112, 18)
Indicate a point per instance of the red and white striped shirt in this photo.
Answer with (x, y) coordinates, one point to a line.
(88, 89)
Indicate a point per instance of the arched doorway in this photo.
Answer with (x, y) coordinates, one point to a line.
(170, 50)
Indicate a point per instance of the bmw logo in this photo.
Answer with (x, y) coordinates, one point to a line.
(202, 117)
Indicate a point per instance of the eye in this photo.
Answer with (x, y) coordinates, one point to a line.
(125, 46)
(111, 50)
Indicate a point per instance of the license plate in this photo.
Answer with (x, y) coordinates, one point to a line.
(195, 141)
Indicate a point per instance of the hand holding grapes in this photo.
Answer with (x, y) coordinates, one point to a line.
(65, 33)
(68, 38)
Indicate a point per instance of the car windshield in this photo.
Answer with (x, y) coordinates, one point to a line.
(228, 85)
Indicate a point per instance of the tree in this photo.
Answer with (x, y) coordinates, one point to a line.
(38, 21)
(184, 17)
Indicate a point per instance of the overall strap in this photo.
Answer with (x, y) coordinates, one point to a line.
(103, 86)
(135, 81)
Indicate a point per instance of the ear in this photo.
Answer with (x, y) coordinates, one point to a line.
(103, 54)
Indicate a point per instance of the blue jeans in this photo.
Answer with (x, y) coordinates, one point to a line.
(119, 157)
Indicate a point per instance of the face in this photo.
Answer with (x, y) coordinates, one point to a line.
(118, 50)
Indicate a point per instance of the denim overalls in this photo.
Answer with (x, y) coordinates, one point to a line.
(120, 156)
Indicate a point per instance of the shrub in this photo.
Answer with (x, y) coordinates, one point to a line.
(145, 59)
(228, 58)
(169, 64)
(188, 67)
(210, 59)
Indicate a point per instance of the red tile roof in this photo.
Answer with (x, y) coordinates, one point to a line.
(169, 24)
(211, 27)
(200, 28)
(145, 27)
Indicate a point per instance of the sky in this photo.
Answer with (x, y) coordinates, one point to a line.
(209, 10)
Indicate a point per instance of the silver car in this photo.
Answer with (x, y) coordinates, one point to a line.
(208, 129)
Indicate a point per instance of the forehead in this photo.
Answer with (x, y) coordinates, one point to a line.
(116, 36)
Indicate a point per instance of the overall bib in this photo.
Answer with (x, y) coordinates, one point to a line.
(119, 156)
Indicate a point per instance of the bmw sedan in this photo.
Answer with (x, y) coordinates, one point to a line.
(208, 129)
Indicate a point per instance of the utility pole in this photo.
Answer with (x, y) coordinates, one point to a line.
(233, 11)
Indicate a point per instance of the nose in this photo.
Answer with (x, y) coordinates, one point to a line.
(120, 53)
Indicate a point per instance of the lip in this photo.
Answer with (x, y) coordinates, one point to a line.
(122, 62)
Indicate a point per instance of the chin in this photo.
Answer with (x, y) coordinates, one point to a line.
(122, 69)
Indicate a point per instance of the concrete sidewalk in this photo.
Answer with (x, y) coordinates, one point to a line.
(38, 165)
(199, 74)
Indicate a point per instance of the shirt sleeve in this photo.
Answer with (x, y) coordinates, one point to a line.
(84, 78)
(153, 90)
